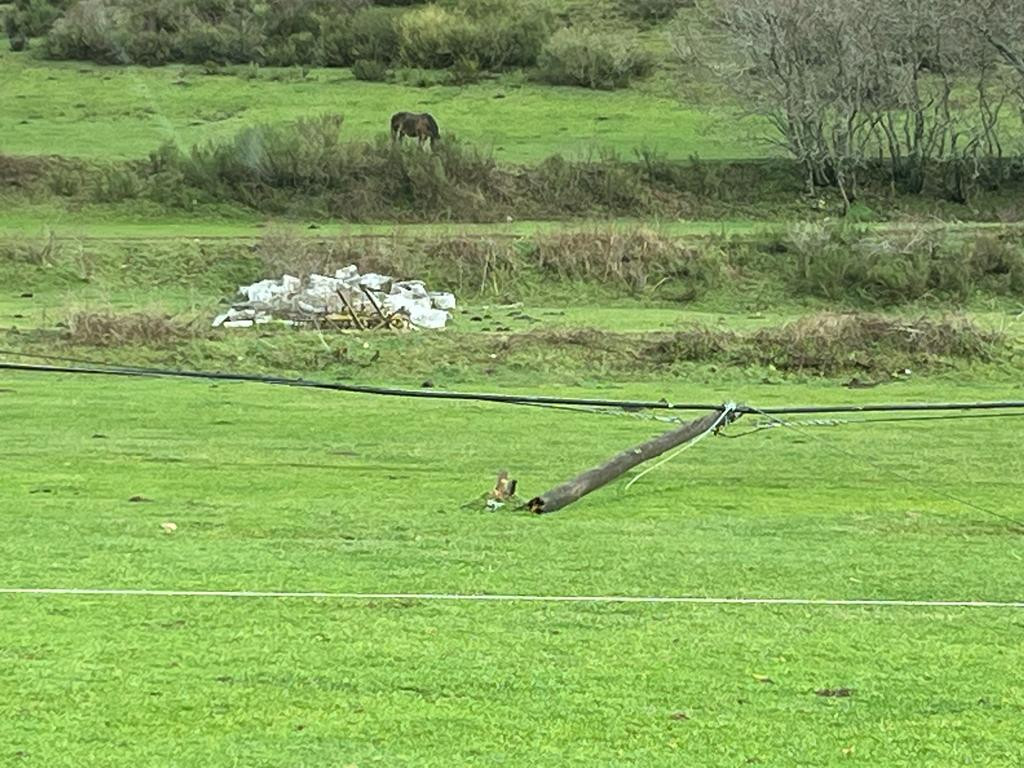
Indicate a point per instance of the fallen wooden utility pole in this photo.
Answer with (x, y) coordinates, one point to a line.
(599, 476)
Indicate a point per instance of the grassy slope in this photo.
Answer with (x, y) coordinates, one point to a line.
(357, 494)
(193, 278)
(101, 223)
(127, 222)
(79, 109)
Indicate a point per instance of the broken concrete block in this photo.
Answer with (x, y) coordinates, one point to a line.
(442, 300)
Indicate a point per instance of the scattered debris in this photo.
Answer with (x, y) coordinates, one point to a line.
(834, 693)
(504, 490)
(345, 300)
(679, 716)
(764, 679)
(169, 527)
(503, 493)
(138, 499)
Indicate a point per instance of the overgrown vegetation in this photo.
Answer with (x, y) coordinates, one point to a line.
(918, 89)
(466, 37)
(593, 59)
(838, 266)
(844, 264)
(832, 344)
(306, 167)
(824, 344)
(493, 36)
(31, 18)
(111, 329)
(636, 263)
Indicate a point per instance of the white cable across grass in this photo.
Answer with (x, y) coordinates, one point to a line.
(486, 598)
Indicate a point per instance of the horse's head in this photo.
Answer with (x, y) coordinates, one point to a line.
(431, 126)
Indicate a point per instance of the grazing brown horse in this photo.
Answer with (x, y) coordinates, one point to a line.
(421, 127)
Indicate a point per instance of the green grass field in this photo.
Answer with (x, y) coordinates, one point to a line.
(84, 110)
(281, 490)
(276, 489)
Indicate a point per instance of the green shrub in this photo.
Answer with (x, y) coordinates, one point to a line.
(299, 156)
(496, 35)
(593, 59)
(999, 260)
(204, 42)
(465, 71)
(304, 168)
(509, 33)
(89, 30)
(301, 32)
(375, 35)
(435, 37)
(291, 51)
(417, 77)
(17, 39)
(581, 186)
(370, 34)
(368, 69)
(32, 18)
(846, 264)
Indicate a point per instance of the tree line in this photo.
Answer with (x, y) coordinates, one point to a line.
(926, 92)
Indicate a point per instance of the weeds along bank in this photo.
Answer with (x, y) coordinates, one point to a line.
(868, 305)
(835, 266)
(306, 169)
(882, 348)
(918, 98)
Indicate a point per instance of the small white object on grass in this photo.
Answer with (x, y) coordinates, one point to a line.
(169, 527)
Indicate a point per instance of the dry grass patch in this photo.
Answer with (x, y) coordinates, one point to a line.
(149, 329)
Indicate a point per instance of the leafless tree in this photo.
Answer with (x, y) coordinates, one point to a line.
(893, 84)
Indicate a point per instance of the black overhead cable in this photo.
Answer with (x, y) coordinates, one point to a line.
(429, 394)
(487, 397)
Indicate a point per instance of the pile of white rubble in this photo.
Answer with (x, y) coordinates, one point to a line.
(346, 300)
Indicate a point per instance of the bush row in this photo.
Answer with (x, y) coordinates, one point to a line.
(816, 345)
(305, 168)
(472, 37)
(859, 268)
(847, 264)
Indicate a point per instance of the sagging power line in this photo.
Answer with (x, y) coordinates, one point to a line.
(681, 437)
(103, 369)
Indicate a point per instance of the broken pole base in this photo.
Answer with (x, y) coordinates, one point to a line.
(601, 475)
